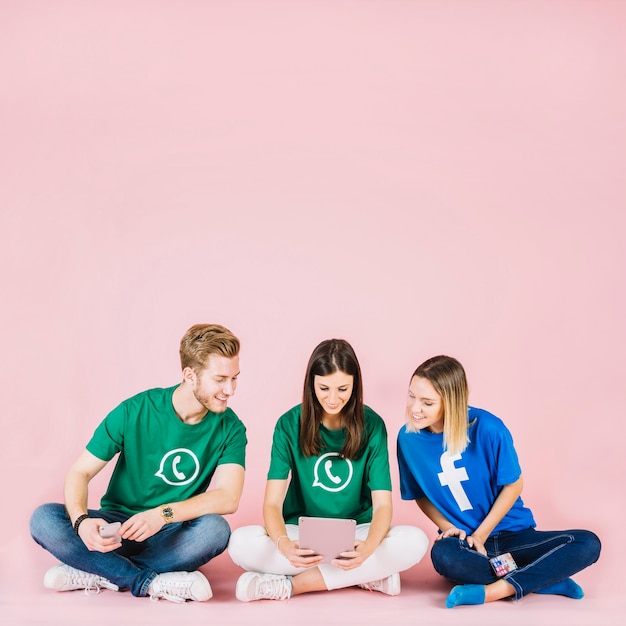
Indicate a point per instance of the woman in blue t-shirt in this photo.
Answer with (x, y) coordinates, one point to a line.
(459, 464)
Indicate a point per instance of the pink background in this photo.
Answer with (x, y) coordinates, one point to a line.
(416, 177)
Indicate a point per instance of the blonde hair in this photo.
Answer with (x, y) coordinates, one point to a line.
(203, 340)
(448, 378)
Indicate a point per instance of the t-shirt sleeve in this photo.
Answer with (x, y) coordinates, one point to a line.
(378, 475)
(234, 449)
(108, 438)
(280, 458)
(507, 462)
(409, 488)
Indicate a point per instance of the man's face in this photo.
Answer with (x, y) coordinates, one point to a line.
(216, 383)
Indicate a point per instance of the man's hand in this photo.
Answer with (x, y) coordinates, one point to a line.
(143, 525)
(89, 532)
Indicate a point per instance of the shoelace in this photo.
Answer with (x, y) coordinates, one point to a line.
(174, 592)
(275, 589)
(373, 586)
(92, 583)
(93, 589)
(155, 597)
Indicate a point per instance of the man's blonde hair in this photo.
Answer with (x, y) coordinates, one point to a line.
(203, 340)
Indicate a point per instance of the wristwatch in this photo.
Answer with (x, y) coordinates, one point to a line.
(167, 513)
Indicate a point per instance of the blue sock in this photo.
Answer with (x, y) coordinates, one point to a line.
(565, 587)
(466, 594)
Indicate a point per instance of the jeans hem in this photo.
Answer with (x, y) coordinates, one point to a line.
(143, 591)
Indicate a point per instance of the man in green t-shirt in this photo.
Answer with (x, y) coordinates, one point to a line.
(159, 520)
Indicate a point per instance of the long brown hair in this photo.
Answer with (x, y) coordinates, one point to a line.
(330, 356)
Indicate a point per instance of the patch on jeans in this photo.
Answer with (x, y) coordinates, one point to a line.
(503, 564)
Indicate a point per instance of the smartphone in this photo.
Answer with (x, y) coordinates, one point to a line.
(111, 530)
(503, 564)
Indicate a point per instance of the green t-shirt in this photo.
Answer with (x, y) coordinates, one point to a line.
(329, 485)
(161, 459)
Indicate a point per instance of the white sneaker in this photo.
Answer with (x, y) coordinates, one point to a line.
(65, 578)
(180, 586)
(255, 586)
(389, 585)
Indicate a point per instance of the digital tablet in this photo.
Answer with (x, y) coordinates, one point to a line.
(327, 536)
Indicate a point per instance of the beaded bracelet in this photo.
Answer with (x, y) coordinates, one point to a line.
(79, 520)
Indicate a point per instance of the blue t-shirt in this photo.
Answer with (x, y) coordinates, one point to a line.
(463, 487)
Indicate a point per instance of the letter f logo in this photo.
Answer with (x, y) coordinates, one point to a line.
(452, 477)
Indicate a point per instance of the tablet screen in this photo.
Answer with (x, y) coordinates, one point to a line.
(327, 536)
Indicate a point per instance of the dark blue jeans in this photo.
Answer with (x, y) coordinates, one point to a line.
(179, 546)
(542, 557)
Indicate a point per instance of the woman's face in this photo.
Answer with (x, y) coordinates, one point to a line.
(424, 407)
(333, 391)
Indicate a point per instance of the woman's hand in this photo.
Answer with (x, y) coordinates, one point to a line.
(473, 541)
(379, 527)
(477, 544)
(453, 531)
(354, 558)
(297, 557)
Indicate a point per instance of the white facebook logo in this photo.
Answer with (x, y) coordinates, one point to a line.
(452, 477)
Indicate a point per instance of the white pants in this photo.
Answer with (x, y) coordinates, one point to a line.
(404, 546)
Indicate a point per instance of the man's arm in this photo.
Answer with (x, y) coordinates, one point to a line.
(77, 480)
(223, 498)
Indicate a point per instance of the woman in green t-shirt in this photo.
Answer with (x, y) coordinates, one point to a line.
(329, 459)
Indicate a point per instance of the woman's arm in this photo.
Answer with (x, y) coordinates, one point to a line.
(379, 527)
(437, 517)
(501, 506)
(275, 491)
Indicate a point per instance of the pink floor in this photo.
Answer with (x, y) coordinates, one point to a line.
(24, 601)
(167, 162)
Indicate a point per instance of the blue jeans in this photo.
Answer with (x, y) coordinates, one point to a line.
(179, 546)
(542, 557)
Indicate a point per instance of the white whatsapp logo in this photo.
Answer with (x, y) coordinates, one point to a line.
(332, 472)
(179, 467)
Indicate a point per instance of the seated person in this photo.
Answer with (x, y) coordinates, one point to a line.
(172, 443)
(329, 459)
